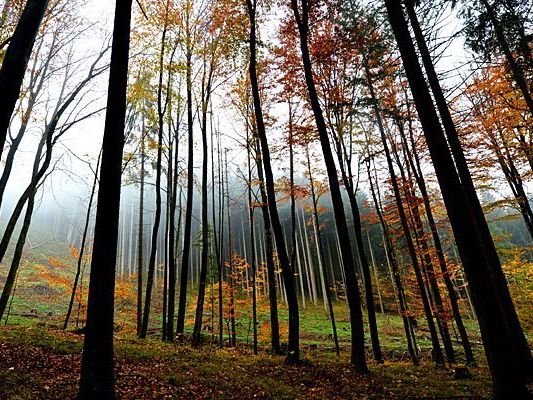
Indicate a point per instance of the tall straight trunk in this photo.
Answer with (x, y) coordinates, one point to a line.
(392, 261)
(437, 351)
(184, 273)
(507, 352)
(291, 188)
(320, 253)
(172, 236)
(16, 60)
(249, 144)
(82, 246)
(97, 378)
(269, 256)
(204, 218)
(157, 217)
(358, 358)
(233, 331)
(414, 161)
(293, 355)
(428, 269)
(220, 254)
(140, 245)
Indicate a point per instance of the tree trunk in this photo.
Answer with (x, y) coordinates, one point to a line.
(97, 378)
(505, 345)
(293, 355)
(184, 274)
(358, 358)
(82, 246)
(16, 60)
(269, 256)
(157, 217)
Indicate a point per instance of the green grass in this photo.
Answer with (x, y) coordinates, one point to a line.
(151, 369)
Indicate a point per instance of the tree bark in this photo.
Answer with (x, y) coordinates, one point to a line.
(505, 346)
(293, 355)
(97, 378)
(358, 358)
(16, 60)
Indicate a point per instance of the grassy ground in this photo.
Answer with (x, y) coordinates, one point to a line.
(43, 363)
(40, 361)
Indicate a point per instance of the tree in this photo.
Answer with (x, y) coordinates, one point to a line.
(97, 375)
(16, 59)
(506, 350)
(293, 355)
(301, 14)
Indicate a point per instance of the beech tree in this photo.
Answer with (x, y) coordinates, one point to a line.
(507, 352)
(16, 59)
(97, 366)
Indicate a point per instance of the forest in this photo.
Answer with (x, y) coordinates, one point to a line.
(256, 199)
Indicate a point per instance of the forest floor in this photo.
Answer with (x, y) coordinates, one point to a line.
(43, 363)
(38, 360)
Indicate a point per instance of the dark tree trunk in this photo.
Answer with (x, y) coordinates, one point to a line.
(16, 60)
(140, 245)
(233, 331)
(358, 357)
(220, 247)
(452, 295)
(251, 208)
(505, 346)
(293, 355)
(157, 217)
(97, 379)
(269, 250)
(184, 273)
(389, 253)
(173, 174)
(204, 219)
(437, 352)
(82, 247)
(327, 278)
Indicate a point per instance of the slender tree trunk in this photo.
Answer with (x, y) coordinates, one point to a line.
(293, 355)
(140, 248)
(269, 256)
(152, 262)
(231, 281)
(82, 246)
(506, 349)
(184, 274)
(437, 352)
(205, 224)
(249, 144)
(320, 252)
(358, 358)
(97, 378)
(16, 60)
